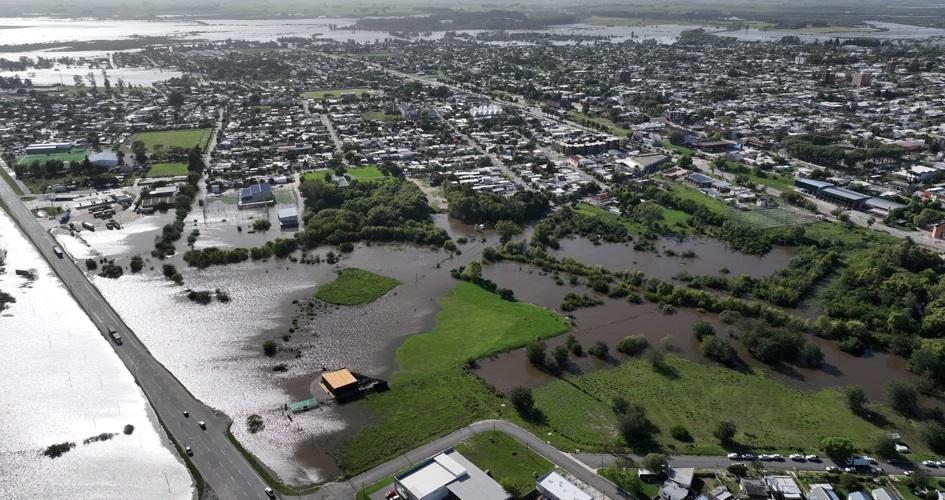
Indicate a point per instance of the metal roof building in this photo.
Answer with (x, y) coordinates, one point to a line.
(448, 475)
(556, 487)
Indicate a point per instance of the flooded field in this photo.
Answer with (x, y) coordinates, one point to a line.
(64, 383)
(616, 319)
(220, 359)
(710, 257)
(65, 74)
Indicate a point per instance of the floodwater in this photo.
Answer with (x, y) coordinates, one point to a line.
(136, 76)
(215, 350)
(616, 319)
(889, 31)
(710, 257)
(63, 382)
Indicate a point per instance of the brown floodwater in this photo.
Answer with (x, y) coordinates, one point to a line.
(710, 257)
(617, 318)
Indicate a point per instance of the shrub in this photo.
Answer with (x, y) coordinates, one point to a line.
(168, 270)
(703, 329)
(91, 265)
(856, 398)
(725, 432)
(254, 423)
(620, 405)
(560, 355)
(346, 247)
(903, 398)
(740, 470)
(632, 345)
(838, 448)
(128, 429)
(270, 348)
(535, 352)
(599, 350)
(656, 463)
(719, 350)
(885, 447)
(261, 225)
(933, 433)
(729, 316)
(111, 270)
(136, 264)
(680, 433)
(522, 400)
(57, 450)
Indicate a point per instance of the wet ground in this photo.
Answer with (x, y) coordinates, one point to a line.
(63, 382)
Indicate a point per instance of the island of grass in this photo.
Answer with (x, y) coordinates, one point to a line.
(355, 287)
(432, 393)
(329, 93)
(182, 138)
(512, 464)
(167, 169)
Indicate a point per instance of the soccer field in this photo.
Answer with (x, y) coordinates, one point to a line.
(186, 138)
(768, 218)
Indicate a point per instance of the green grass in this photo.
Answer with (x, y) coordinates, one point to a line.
(185, 138)
(768, 414)
(379, 116)
(322, 94)
(510, 462)
(355, 287)
(607, 123)
(167, 169)
(779, 182)
(768, 218)
(679, 149)
(431, 394)
(11, 182)
(674, 219)
(366, 173)
(686, 192)
(75, 155)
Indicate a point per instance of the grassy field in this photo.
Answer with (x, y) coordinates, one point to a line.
(431, 394)
(379, 116)
(674, 219)
(511, 463)
(322, 94)
(167, 169)
(606, 122)
(779, 182)
(75, 155)
(355, 287)
(679, 149)
(686, 192)
(367, 173)
(768, 414)
(768, 218)
(186, 138)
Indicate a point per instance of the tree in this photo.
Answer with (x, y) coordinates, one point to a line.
(680, 433)
(725, 432)
(656, 463)
(903, 398)
(740, 470)
(522, 400)
(635, 427)
(719, 350)
(702, 329)
(599, 350)
(933, 433)
(136, 264)
(856, 399)
(254, 423)
(535, 351)
(885, 447)
(175, 99)
(838, 448)
(507, 230)
(560, 355)
(632, 345)
(270, 348)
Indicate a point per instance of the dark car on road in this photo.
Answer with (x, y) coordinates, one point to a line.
(115, 336)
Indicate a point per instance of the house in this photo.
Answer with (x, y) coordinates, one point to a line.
(884, 494)
(104, 159)
(753, 489)
(822, 492)
(673, 491)
(681, 476)
(256, 195)
(722, 493)
(784, 487)
(448, 475)
(858, 495)
(554, 486)
(340, 383)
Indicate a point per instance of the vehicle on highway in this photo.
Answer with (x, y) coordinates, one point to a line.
(189, 451)
(811, 458)
(748, 456)
(734, 456)
(202, 425)
(929, 463)
(186, 414)
(58, 252)
(116, 337)
(797, 457)
(831, 468)
(270, 493)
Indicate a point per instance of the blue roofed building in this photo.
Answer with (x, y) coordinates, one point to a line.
(256, 195)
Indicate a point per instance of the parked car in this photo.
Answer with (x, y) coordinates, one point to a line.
(270, 493)
(832, 469)
(812, 458)
(734, 456)
(202, 425)
(189, 451)
(930, 463)
(797, 457)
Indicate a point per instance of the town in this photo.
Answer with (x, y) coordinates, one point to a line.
(562, 263)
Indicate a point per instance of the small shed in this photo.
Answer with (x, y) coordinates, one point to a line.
(340, 384)
(304, 405)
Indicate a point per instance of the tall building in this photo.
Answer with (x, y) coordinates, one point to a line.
(861, 79)
(827, 77)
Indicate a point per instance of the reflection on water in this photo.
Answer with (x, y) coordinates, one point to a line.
(63, 382)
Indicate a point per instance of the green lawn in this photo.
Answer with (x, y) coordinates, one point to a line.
(185, 138)
(768, 414)
(322, 94)
(675, 219)
(779, 182)
(606, 122)
(431, 394)
(379, 116)
(768, 218)
(512, 464)
(75, 155)
(355, 287)
(686, 192)
(680, 149)
(367, 173)
(167, 169)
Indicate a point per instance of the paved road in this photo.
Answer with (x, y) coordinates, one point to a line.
(563, 460)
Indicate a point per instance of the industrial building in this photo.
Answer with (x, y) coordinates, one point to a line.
(256, 195)
(289, 217)
(554, 486)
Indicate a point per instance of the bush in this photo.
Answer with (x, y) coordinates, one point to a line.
(856, 399)
(535, 352)
(703, 329)
(656, 463)
(111, 270)
(57, 450)
(168, 270)
(838, 448)
(740, 470)
(933, 433)
(719, 350)
(136, 264)
(885, 447)
(620, 405)
(560, 354)
(91, 265)
(725, 432)
(270, 348)
(680, 433)
(346, 247)
(128, 429)
(903, 398)
(522, 400)
(254, 423)
(632, 345)
(261, 225)
(599, 350)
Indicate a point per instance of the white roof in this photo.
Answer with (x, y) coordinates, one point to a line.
(562, 489)
(784, 485)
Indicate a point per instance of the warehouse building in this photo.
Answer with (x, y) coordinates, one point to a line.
(256, 195)
(448, 475)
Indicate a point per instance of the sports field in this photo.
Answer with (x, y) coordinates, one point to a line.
(74, 155)
(186, 138)
(167, 169)
(322, 94)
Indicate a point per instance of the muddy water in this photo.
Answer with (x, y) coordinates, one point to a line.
(616, 319)
(63, 382)
(711, 256)
(215, 350)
